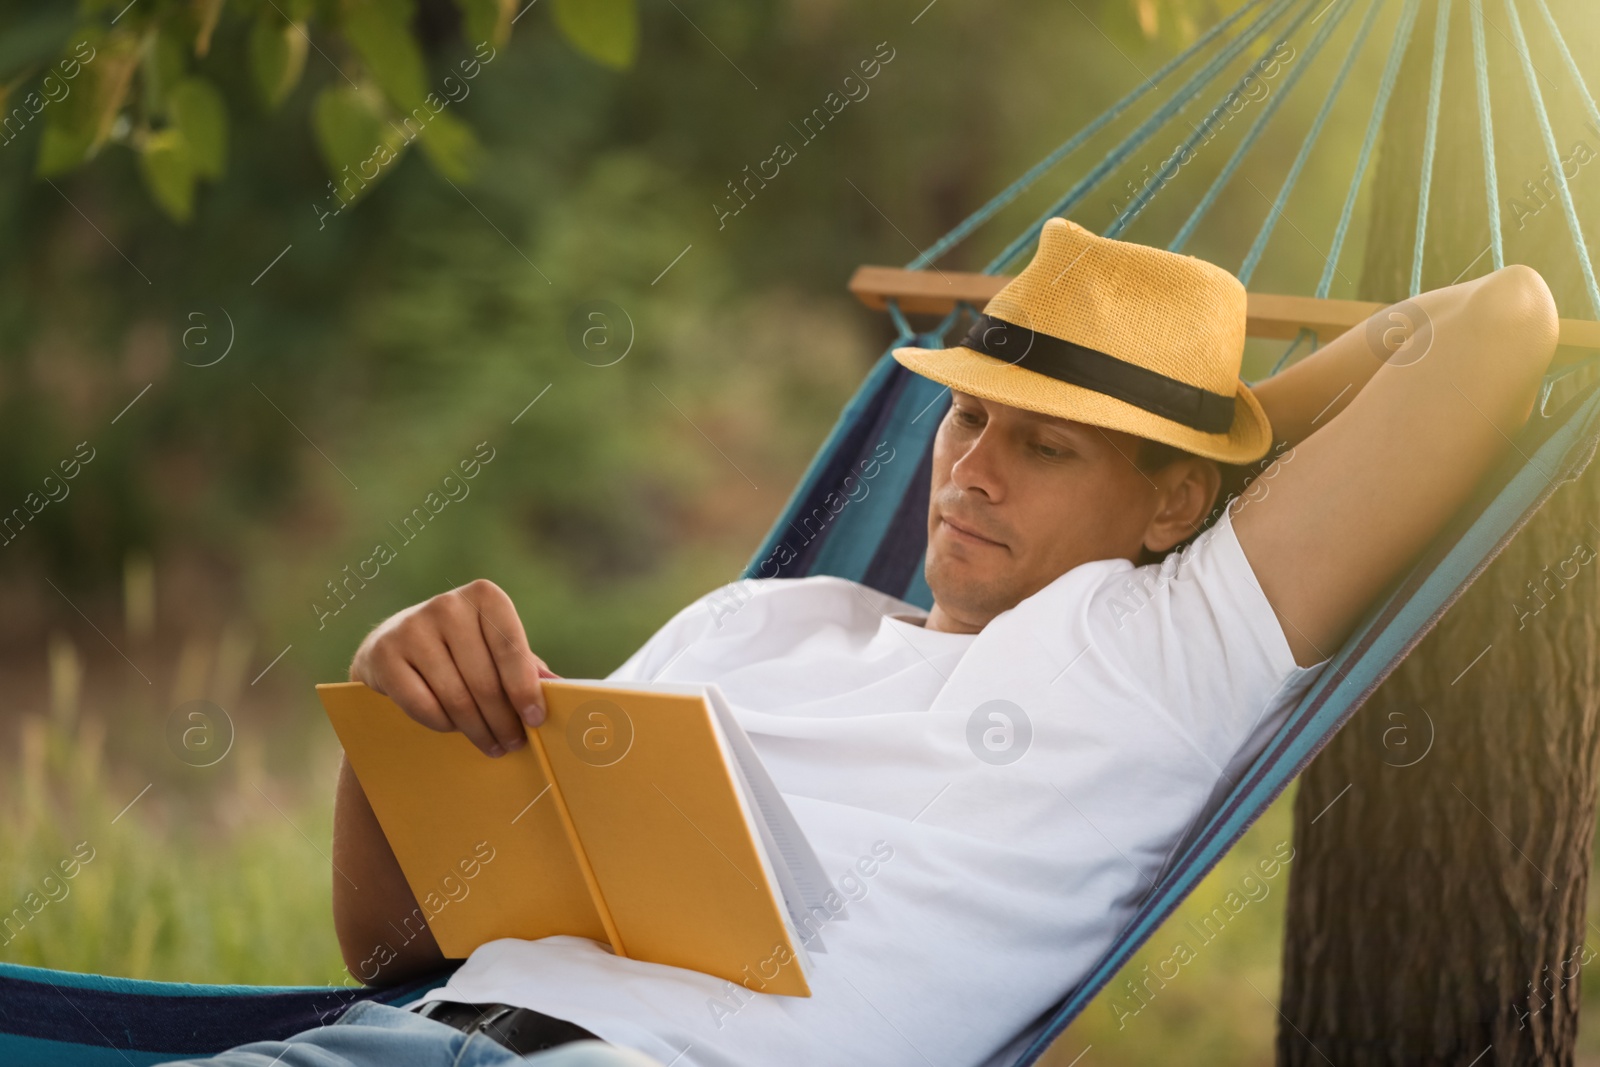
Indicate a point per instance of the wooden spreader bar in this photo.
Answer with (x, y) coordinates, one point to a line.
(1269, 315)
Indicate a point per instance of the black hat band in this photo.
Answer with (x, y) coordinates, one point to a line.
(1190, 405)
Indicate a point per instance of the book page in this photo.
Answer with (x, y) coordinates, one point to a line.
(810, 884)
(478, 839)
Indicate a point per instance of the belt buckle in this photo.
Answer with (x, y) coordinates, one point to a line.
(488, 1024)
(499, 1023)
(454, 1013)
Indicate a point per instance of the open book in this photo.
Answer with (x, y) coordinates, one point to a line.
(638, 815)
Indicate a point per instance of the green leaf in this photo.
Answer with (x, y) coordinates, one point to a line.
(164, 161)
(69, 131)
(357, 145)
(381, 34)
(75, 126)
(450, 146)
(487, 20)
(199, 113)
(277, 56)
(63, 145)
(606, 31)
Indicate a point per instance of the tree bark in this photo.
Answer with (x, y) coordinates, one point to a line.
(1443, 839)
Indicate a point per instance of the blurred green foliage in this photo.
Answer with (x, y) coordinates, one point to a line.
(130, 74)
(373, 343)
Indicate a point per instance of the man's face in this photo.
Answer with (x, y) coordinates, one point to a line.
(1019, 498)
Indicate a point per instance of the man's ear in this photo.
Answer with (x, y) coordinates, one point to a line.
(1188, 490)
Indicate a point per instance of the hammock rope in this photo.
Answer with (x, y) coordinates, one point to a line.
(1491, 184)
(1254, 19)
(1205, 130)
(1215, 53)
(1554, 153)
(1259, 245)
(1583, 90)
(1380, 106)
(1139, 136)
(1572, 67)
(1441, 38)
(1000, 200)
(1300, 338)
(1248, 141)
(903, 328)
(1262, 15)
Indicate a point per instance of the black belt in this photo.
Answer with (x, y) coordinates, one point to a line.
(522, 1030)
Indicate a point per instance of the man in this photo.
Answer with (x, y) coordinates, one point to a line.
(997, 782)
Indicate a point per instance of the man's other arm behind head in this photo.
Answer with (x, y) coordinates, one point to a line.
(1392, 446)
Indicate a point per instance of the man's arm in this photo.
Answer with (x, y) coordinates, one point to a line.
(383, 933)
(459, 661)
(1376, 474)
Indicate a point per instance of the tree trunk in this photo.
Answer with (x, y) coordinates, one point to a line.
(1443, 839)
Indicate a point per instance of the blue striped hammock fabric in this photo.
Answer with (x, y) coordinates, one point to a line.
(57, 1019)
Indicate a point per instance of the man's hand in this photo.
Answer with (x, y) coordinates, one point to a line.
(459, 661)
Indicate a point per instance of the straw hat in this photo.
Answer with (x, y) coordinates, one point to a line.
(1118, 335)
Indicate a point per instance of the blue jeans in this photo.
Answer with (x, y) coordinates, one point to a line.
(370, 1034)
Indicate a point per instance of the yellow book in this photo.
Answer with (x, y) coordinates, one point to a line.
(638, 816)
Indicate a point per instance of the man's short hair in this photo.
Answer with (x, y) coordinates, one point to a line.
(1155, 455)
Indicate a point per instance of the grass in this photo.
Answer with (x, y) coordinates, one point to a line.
(230, 883)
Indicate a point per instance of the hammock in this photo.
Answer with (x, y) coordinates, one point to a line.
(89, 1020)
(883, 548)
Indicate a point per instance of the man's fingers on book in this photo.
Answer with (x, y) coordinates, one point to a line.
(478, 671)
(439, 670)
(406, 687)
(515, 661)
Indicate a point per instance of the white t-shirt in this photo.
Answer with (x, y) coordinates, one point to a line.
(991, 806)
